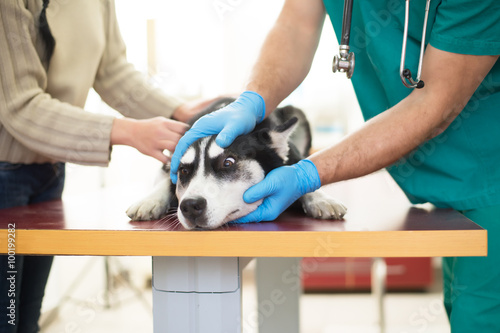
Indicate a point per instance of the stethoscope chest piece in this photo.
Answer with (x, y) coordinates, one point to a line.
(344, 61)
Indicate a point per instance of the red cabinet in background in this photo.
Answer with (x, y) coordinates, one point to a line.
(353, 274)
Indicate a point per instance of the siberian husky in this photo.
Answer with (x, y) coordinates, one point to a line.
(212, 180)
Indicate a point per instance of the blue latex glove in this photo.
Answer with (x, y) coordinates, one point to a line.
(237, 118)
(280, 188)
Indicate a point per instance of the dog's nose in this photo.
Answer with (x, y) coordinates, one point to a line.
(193, 208)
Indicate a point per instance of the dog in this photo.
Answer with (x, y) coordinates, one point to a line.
(212, 180)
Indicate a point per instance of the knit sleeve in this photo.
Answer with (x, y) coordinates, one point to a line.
(124, 88)
(30, 118)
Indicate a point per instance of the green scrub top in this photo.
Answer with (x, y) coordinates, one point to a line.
(460, 168)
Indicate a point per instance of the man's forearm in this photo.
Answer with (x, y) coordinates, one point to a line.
(422, 115)
(288, 51)
(380, 142)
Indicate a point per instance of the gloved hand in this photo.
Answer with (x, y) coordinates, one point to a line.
(237, 118)
(280, 188)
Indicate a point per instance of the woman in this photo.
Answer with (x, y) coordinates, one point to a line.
(50, 58)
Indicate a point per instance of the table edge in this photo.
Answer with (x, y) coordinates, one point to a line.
(398, 243)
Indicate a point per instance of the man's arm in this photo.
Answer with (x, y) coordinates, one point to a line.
(450, 80)
(288, 51)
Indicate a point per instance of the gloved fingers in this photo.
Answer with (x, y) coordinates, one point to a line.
(180, 149)
(227, 123)
(255, 216)
(237, 125)
(207, 124)
(187, 140)
(259, 191)
(269, 210)
(173, 175)
(227, 136)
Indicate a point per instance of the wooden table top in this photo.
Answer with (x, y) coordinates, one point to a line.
(380, 223)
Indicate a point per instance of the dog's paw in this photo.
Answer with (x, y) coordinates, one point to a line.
(321, 206)
(147, 210)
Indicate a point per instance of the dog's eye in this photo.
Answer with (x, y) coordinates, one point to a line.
(228, 162)
(184, 171)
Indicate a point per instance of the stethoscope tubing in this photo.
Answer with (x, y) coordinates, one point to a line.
(345, 61)
(346, 23)
(404, 73)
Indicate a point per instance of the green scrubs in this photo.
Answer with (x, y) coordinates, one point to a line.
(472, 284)
(459, 168)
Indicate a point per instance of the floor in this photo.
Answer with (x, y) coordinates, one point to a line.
(84, 305)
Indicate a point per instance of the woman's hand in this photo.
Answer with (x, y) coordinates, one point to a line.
(189, 110)
(149, 136)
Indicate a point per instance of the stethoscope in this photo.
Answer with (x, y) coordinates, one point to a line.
(344, 61)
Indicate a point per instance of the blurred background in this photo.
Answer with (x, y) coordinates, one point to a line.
(206, 48)
(201, 49)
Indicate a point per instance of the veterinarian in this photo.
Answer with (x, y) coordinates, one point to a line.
(47, 71)
(440, 143)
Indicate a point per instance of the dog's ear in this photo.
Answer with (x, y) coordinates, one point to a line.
(279, 137)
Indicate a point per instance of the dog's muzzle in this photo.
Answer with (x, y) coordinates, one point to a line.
(193, 209)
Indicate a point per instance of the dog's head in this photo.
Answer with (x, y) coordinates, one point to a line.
(212, 180)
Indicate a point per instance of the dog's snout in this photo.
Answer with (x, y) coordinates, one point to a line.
(193, 208)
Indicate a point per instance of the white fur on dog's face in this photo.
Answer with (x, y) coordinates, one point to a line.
(223, 195)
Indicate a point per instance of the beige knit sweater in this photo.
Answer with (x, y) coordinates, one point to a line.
(41, 115)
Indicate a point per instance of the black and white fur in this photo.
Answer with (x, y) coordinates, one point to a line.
(212, 180)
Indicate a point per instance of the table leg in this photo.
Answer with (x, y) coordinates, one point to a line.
(278, 292)
(196, 294)
(379, 277)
